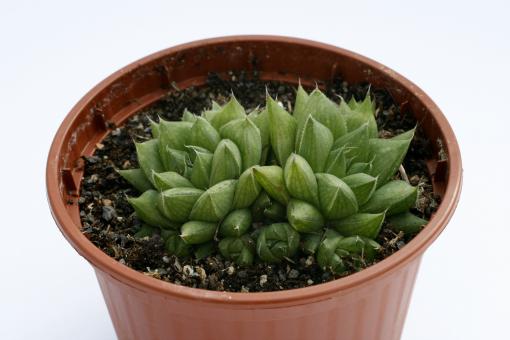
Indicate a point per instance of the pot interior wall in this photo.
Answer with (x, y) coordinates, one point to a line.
(142, 84)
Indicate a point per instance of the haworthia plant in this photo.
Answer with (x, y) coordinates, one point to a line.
(267, 185)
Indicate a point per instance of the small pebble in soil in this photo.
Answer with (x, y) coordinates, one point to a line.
(188, 270)
(108, 213)
(293, 274)
(263, 279)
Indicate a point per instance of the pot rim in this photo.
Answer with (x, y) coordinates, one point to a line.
(136, 279)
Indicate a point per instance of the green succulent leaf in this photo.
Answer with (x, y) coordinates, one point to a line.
(394, 197)
(203, 134)
(145, 231)
(270, 178)
(194, 150)
(169, 180)
(311, 243)
(314, 143)
(187, 116)
(362, 113)
(173, 137)
(266, 154)
(362, 246)
(300, 105)
(198, 232)
(176, 160)
(148, 158)
(336, 163)
(336, 198)
(231, 111)
(359, 167)
(282, 130)
(146, 210)
(277, 242)
(387, 155)
(346, 107)
(352, 103)
(362, 185)
(304, 217)
(209, 114)
(215, 106)
(201, 169)
(176, 203)
(137, 178)
(361, 224)
(226, 162)
(300, 179)
(239, 249)
(406, 222)
(408, 135)
(175, 245)
(215, 203)
(246, 135)
(154, 128)
(247, 190)
(326, 112)
(166, 233)
(261, 120)
(276, 212)
(259, 206)
(204, 250)
(355, 143)
(329, 257)
(236, 223)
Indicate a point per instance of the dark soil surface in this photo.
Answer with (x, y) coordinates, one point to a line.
(109, 221)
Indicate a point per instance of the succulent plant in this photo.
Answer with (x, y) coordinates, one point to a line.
(266, 185)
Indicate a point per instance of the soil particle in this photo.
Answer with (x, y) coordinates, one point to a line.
(110, 223)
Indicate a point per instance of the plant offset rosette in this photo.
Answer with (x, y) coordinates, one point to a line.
(257, 186)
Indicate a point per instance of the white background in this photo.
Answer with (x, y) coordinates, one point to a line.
(52, 52)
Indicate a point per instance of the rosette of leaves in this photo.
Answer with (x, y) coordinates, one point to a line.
(259, 185)
(335, 177)
(196, 179)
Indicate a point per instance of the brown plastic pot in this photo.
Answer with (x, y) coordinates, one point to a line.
(371, 304)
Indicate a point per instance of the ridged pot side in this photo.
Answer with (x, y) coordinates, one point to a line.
(373, 311)
(370, 304)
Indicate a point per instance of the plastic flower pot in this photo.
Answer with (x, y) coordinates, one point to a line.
(371, 304)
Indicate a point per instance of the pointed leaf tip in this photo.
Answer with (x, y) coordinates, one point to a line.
(203, 134)
(226, 162)
(198, 232)
(176, 203)
(304, 217)
(314, 143)
(394, 197)
(270, 178)
(247, 190)
(215, 203)
(336, 198)
(300, 180)
(387, 155)
(300, 104)
(361, 224)
(137, 178)
(282, 130)
(237, 223)
(149, 158)
(231, 111)
(246, 135)
(326, 112)
(145, 207)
